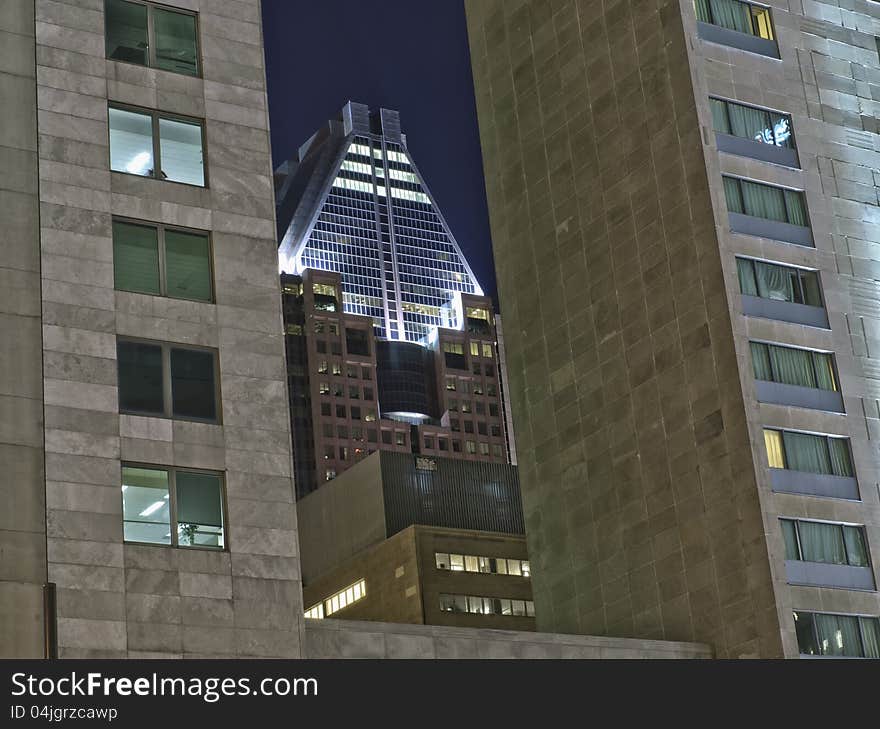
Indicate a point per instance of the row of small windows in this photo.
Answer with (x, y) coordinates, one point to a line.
(338, 601)
(356, 433)
(485, 565)
(486, 605)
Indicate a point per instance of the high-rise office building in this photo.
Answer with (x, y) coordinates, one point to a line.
(691, 190)
(147, 500)
(355, 203)
(391, 344)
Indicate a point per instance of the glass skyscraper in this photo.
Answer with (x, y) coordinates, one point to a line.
(354, 203)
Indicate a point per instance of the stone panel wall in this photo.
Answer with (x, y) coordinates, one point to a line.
(129, 600)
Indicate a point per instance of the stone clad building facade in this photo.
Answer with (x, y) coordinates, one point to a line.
(145, 448)
(693, 186)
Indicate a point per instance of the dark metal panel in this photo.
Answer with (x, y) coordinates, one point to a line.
(449, 493)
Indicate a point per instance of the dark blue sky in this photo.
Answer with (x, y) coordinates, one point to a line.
(398, 54)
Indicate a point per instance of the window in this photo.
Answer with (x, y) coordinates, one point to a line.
(167, 380)
(486, 605)
(400, 437)
(475, 349)
(486, 565)
(809, 453)
(325, 406)
(470, 446)
(765, 201)
(825, 634)
(450, 383)
(386, 437)
(172, 506)
(734, 15)
(152, 259)
(487, 350)
(324, 388)
(152, 36)
(816, 541)
(749, 122)
(151, 144)
(339, 600)
(484, 449)
(792, 366)
(329, 474)
(780, 283)
(323, 367)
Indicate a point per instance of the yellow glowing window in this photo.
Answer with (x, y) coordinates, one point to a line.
(476, 313)
(761, 22)
(345, 597)
(775, 453)
(475, 349)
(316, 612)
(487, 349)
(324, 289)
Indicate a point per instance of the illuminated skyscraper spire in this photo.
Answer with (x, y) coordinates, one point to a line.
(355, 203)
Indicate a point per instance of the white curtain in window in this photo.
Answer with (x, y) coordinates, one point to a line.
(821, 543)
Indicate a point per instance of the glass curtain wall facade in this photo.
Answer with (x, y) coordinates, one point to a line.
(363, 210)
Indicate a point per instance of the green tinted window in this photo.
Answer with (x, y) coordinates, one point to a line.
(135, 258)
(188, 265)
(176, 45)
(126, 32)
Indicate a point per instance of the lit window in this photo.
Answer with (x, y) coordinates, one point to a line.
(151, 144)
(749, 122)
(316, 612)
(170, 506)
(806, 452)
(475, 349)
(151, 36)
(826, 634)
(344, 598)
(734, 15)
(487, 350)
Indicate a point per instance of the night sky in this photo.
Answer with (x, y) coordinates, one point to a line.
(397, 54)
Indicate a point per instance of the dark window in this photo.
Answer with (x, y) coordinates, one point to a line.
(192, 384)
(357, 342)
(765, 201)
(166, 380)
(152, 36)
(827, 634)
(793, 366)
(140, 378)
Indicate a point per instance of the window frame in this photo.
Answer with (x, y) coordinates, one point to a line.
(172, 504)
(156, 115)
(811, 351)
(800, 271)
(167, 389)
(151, 37)
(770, 112)
(750, 5)
(825, 438)
(783, 188)
(160, 229)
(858, 616)
(840, 526)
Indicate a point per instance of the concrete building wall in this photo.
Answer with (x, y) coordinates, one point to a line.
(119, 599)
(22, 489)
(341, 518)
(827, 78)
(393, 588)
(346, 639)
(639, 486)
(435, 582)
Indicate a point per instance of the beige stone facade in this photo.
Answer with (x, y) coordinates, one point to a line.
(639, 430)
